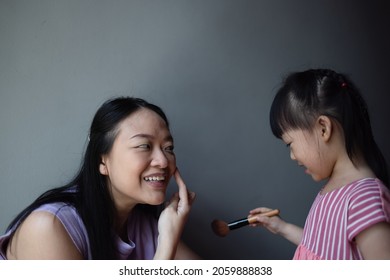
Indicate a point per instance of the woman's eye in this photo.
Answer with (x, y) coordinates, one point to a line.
(169, 149)
(144, 146)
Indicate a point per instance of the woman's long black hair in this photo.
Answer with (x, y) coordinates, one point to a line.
(306, 95)
(88, 191)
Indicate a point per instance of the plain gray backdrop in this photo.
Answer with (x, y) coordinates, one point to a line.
(213, 66)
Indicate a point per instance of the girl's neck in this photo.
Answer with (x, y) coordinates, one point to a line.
(345, 172)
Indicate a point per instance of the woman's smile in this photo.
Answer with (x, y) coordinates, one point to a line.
(157, 180)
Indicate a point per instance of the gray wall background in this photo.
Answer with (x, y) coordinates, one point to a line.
(213, 66)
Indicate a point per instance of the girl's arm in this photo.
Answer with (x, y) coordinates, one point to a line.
(374, 242)
(42, 237)
(291, 232)
(278, 226)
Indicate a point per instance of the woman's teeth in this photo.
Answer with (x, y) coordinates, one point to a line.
(155, 178)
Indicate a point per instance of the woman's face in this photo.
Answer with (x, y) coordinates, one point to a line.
(141, 161)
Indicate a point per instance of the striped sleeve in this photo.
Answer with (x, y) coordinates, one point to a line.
(369, 204)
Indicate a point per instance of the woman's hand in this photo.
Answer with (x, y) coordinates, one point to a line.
(172, 220)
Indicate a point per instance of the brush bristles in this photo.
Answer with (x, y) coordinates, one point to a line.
(220, 228)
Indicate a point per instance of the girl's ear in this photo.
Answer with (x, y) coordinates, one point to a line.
(325, 127)
(102, 167)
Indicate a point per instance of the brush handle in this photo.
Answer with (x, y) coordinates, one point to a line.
(246, 221)
(253, 219)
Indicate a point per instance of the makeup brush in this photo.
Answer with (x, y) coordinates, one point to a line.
(222, 228)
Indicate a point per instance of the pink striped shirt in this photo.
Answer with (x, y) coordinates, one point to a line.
(337, 217)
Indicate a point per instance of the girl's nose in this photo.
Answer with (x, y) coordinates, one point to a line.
(292, 155)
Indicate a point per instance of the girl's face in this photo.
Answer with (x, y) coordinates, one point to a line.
(306, 148)
(141, 161)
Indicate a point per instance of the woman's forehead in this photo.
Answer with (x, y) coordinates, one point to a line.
(144, 121)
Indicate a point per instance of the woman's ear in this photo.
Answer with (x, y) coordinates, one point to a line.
(325, 127)
(102, 167)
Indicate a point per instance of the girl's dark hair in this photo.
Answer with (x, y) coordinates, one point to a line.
(306, 95)
(88, 191)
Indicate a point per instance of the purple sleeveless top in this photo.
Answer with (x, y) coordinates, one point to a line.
(141, 229)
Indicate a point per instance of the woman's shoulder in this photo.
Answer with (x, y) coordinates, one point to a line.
(42, 236)
(71, 221)
(58, 208)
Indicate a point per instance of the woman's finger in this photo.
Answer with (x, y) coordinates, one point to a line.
(183, 192)
(173, 201)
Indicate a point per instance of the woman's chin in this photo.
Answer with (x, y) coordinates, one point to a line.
(157, 200)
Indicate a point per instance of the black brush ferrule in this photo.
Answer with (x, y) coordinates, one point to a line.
(238, 223)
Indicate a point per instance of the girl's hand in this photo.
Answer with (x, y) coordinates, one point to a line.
(172, 220)
(273, 224)
(276, 225)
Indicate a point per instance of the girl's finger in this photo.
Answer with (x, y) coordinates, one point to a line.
(259, 210)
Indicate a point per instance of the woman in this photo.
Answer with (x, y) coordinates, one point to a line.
(112, 208)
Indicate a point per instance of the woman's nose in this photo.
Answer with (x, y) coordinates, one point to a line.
(159, 159)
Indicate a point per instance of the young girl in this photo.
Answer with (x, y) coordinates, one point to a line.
(111, 209)
(324, 120)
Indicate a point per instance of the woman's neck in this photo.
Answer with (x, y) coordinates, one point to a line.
(121, 217)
